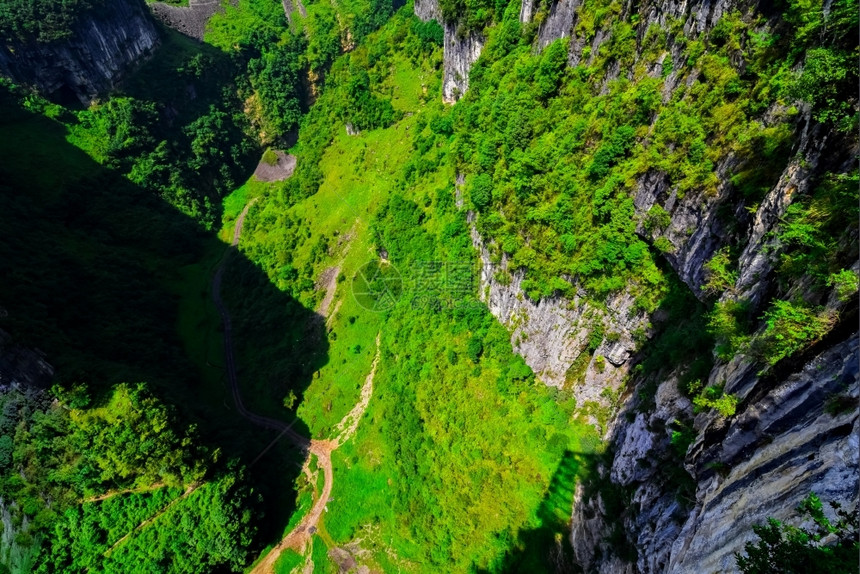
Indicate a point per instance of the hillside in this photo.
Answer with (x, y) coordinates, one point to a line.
(517, 286)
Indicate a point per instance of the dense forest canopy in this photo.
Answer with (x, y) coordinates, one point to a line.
(44, 20)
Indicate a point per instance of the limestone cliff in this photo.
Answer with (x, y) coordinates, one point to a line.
(104, 43)
(785, 440)
(460, 51)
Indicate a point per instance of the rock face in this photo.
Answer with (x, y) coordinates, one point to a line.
(104, 44)
(553, 335)
(788, 437)
(190, 20)
(779, 449)
(461, 51)
(22, 367)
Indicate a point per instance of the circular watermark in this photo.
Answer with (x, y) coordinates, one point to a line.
(377, 286)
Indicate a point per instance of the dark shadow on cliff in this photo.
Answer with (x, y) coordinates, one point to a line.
(94, 271)
(547, 549)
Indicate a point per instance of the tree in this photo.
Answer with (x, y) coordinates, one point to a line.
(786, 549)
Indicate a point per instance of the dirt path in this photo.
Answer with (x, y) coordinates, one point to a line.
(300, 536)
(112, 493)
(328, 281)
(229, 356)
(152, 518)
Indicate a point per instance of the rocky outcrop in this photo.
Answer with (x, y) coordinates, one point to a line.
(558, 23)
(460, 51)
(553, 334)
(792, 441)
(21, 366)
(190, 20)
(103, 46)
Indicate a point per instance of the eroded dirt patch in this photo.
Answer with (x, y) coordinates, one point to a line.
(278, 171)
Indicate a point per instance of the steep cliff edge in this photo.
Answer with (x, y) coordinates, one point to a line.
(663, 506)
(102, 45)
(461, 50)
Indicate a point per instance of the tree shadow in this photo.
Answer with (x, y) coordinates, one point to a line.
(93, 270)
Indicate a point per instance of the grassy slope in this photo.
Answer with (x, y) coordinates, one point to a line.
(361, 173)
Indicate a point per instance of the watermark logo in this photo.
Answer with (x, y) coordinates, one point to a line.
(433, 285)
(377, 286)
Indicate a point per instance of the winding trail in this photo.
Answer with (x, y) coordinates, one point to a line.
(229, 356)
(301, 535)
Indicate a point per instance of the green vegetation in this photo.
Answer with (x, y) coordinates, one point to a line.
(845, 283)
(729, 322)
(195, 159)
(712, 397)
(783, 548)
(719, 276)
(431, 426)
(790, 328)
(43, 20)
(811, 229)
(463, 461)
(100, 266)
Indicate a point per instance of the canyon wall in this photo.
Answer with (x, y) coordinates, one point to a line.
(785, 439)
(103, 45)
(461, 51)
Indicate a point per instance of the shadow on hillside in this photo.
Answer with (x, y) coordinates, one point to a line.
(91, 266)
(546, 549)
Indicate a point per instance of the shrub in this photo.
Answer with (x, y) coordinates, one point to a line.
(844, 283)
(657, 218)
(713, 397)
(729, 324)
(481, 191)
(786, 549)
(717, 274)
(790, 328)
(663, 245)
(608, 154)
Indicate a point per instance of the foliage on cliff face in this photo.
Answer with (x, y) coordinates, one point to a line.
(826, 547)
(565, 147)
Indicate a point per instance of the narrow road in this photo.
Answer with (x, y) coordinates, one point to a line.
(301, 535)
(229, 356)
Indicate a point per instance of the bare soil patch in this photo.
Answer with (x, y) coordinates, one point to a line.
(279, 171)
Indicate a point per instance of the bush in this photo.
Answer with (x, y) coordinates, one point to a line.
(717, 274)
(657, 218)
(713, 397)
(790, 328)
(729, 323)
(481, 191)
(844, 283)
(785, 549)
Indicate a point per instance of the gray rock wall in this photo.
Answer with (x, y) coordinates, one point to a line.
(104, 44)
(460, 51)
